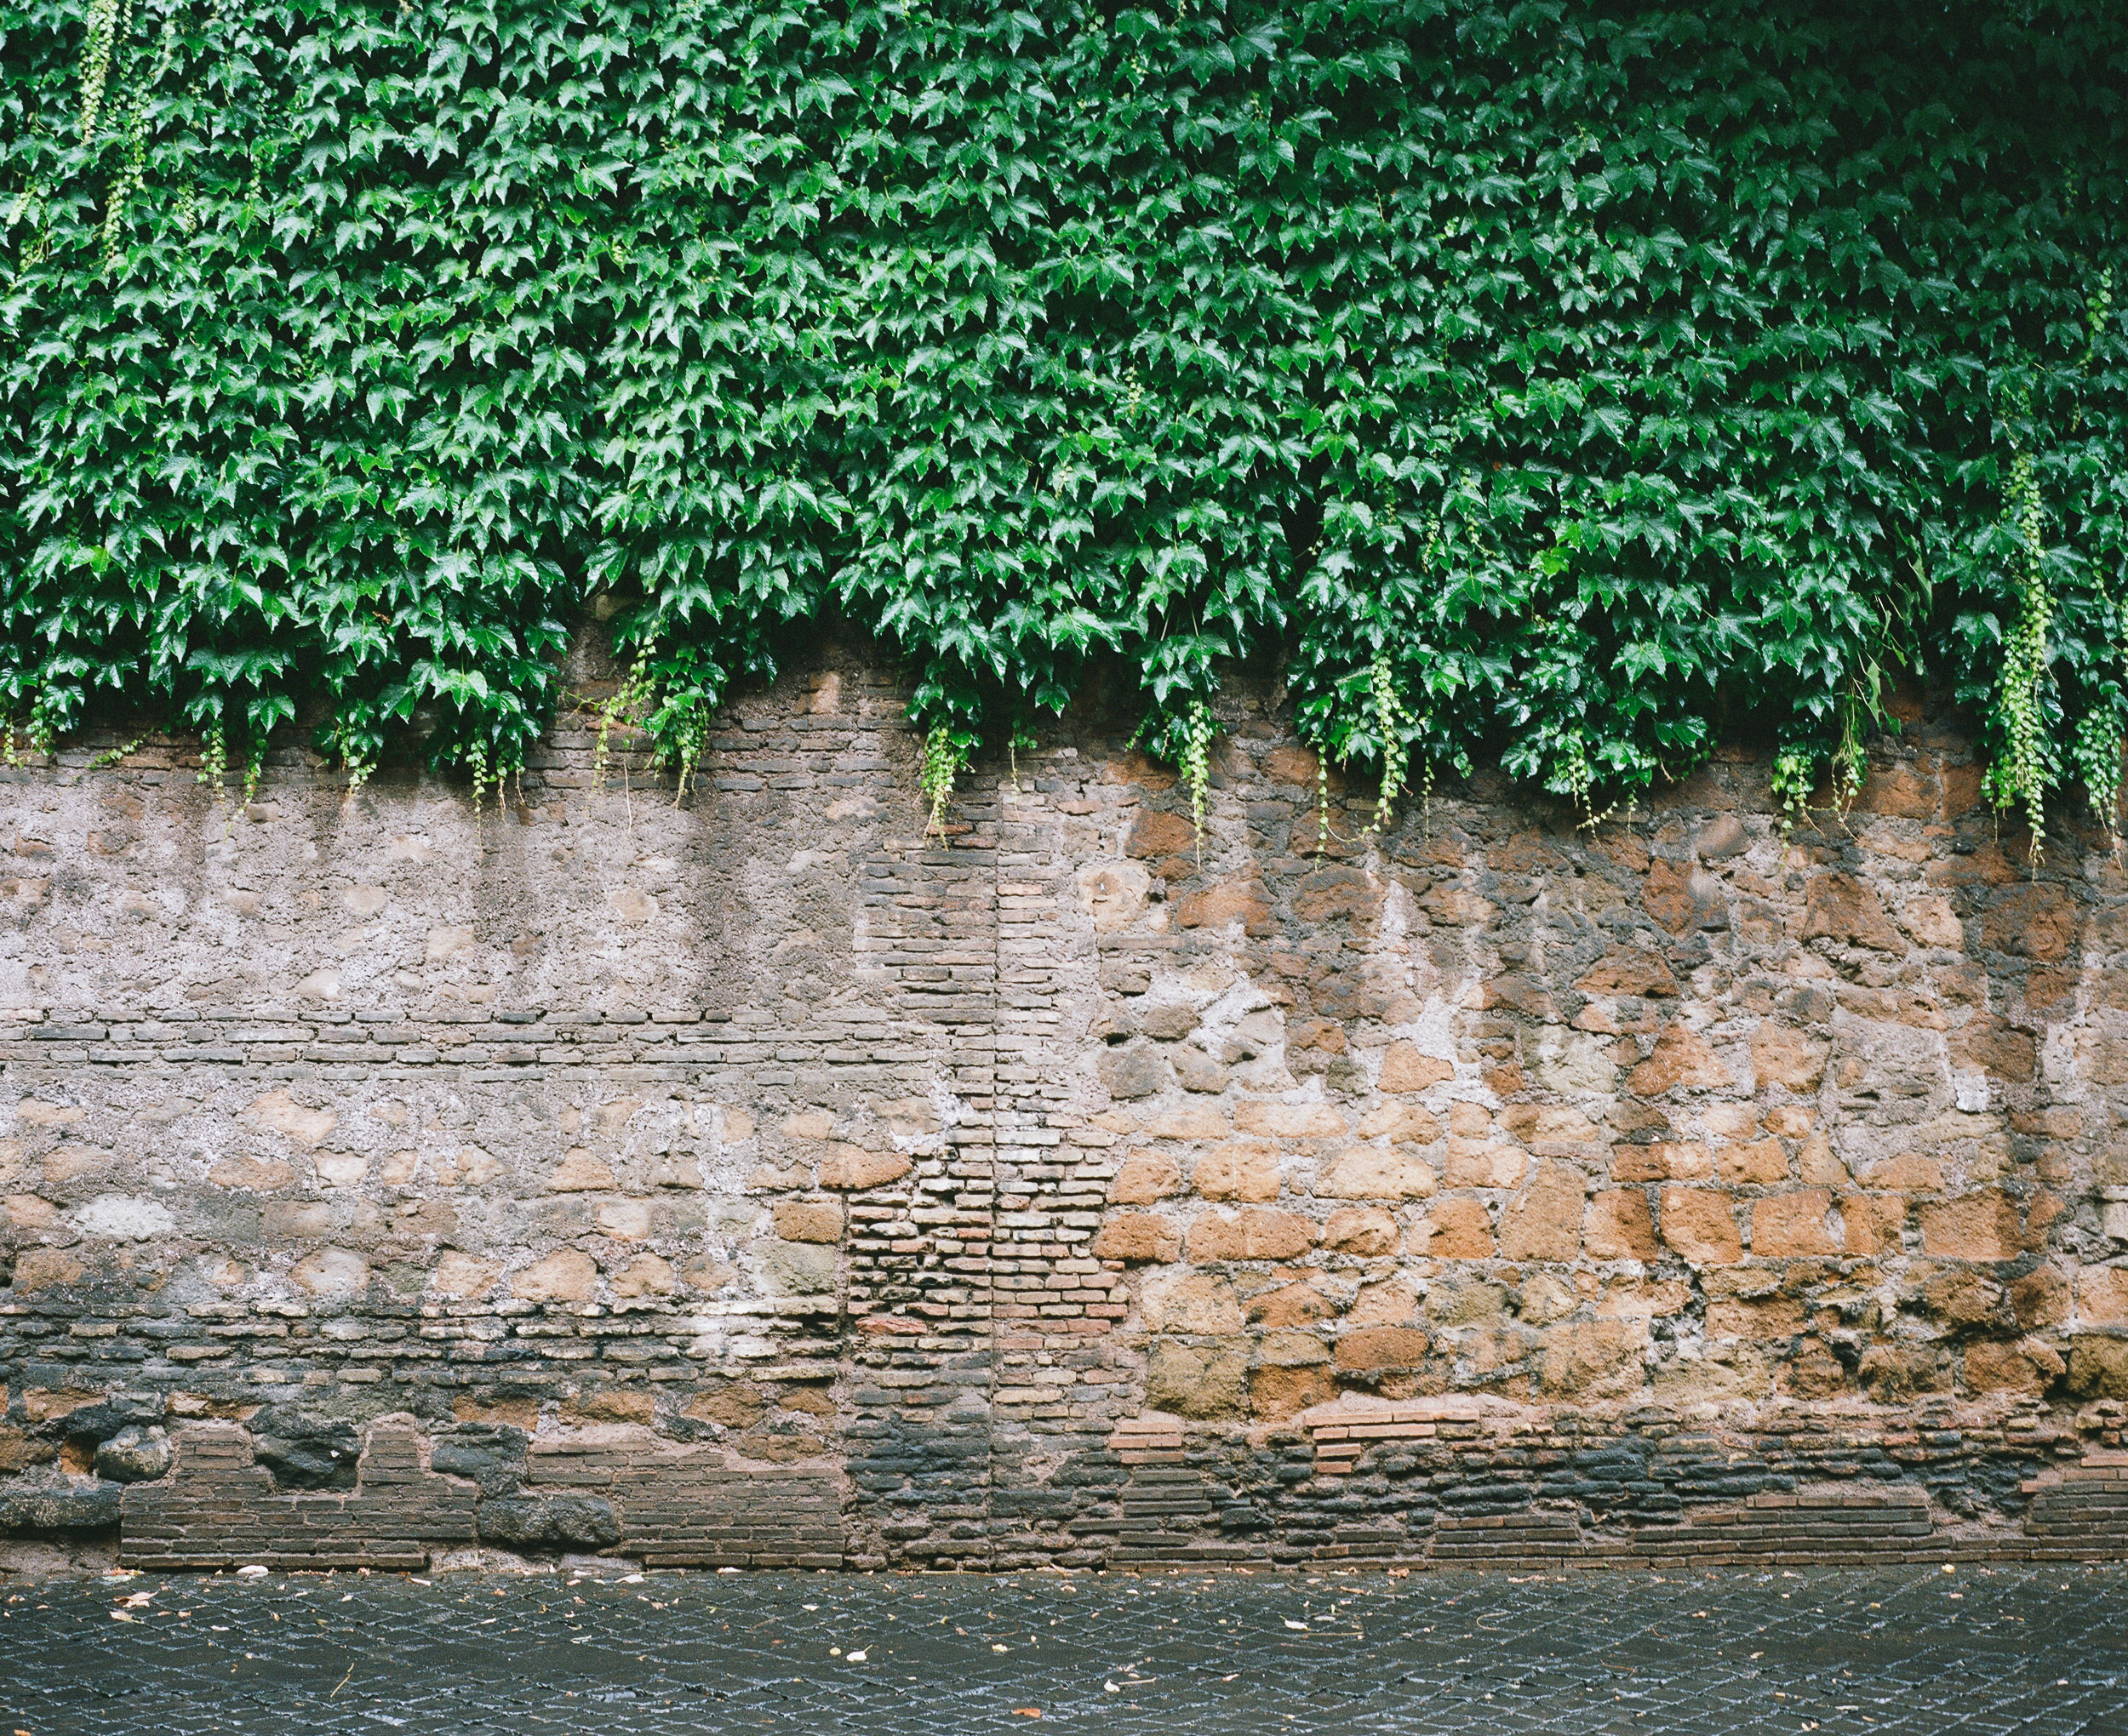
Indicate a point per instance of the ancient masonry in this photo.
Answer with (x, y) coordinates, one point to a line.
(755, 1180)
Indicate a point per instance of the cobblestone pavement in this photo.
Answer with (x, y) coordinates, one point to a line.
(2021, 1649)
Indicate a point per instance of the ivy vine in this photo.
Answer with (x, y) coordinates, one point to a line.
(1559, 386)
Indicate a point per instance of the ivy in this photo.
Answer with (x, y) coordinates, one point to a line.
(1561, 385)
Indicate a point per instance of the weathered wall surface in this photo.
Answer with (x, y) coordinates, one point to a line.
(756, 1181)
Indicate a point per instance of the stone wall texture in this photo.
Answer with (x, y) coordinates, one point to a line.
(755, 1180)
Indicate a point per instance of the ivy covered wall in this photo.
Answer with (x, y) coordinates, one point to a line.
(1559, 383)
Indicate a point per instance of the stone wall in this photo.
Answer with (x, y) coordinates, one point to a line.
(754, 1180)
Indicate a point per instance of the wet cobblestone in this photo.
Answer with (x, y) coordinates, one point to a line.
(2039, 1653)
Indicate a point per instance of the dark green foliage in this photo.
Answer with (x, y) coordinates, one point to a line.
(1583, 378)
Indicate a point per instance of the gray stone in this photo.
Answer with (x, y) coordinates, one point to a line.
(69, 1507)
(549, 1521)
(134, 1455)
(1168, 1020)
(1197, 1070)
(1135, 1070)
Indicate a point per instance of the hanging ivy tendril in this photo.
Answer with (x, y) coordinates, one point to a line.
(213, 760)
(619, 711)
(2020, 774)
(944, 757)
(1196, 762)
(104, 16)
(1392, 718)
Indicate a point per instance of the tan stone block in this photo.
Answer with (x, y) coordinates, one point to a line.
(580, 1172)
(1732, 1123)
(1790, 1120)
(1544, 1221)
(447, 944)
(1909, 1172)
(1371, 1348)
(1255, 1232)
(1376, 1173)
(1759, 1165)
(1931, 921)
(21, 1452)
(467, 1167)
(851, 1168)
(1766, 1317)
(2000, 1368)
(730, 1404)
(1240, 1171)
(1454, 1230)
(1786, 1057)
(610, 1404)
(1471, 1303)
(1681, 1060)
(566, 1275)
(1156, 835)
(342, 1169)
(1839, 907)
(331, 1272)
(1979, 1226)
(1817, 1163)
(2040, 1299)
(1873, 1222)
(1403, 1122)
(1188, 1123)
(1592, 1357)
(46, 1404)
(646, 1274)
(1198, 1380)
(2098, 1368)
(459, 1274)
(1678, 896)
(2034, 920)
(1361, 1231)
(1277, 1393)
(1616, 1226)
(1792, 1225)
(1472, 1165)
(1116, 893)
(1138, 1237)
(30, 1212)
(809, 1220)
(624, 1220)
(39, 1114)
(278, 1110)
(1203, 1303)
(1626, 970)
(1665, 1161)
(1699, 1225)
(1290, 1121)
(1292, 1304)
(512, 1413)
(809, 1124)
(257, 1175)
(1469, 1121)
(1393, 1302)
(1644, 1299)
(1406, 1067)
(1242, 901)
(1554, 1125)
(2101, 1296)
(44, 1268)
(302, 1220)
